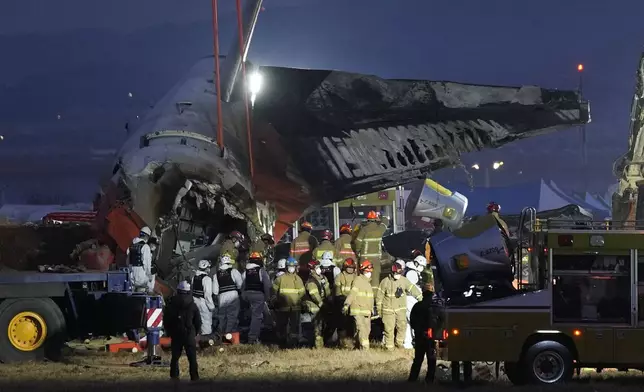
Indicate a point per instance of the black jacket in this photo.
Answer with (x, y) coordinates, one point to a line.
(423, 316)
(181, 318)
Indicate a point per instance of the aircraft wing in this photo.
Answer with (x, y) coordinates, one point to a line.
(324, 136)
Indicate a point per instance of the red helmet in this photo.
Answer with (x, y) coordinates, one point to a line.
(313, 264)
(396, 268)
(349, 263)
(372, 215)
(306, 226)
(415, 253)
(255, 256)
(326, 235)
(237, 235)
(345, 229)
(493, 207)
(366, 266)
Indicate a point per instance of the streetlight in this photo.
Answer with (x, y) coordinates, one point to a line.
(255, 81)
(495, 166)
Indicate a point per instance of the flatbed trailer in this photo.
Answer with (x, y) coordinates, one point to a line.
(583, 309)
(40, 311)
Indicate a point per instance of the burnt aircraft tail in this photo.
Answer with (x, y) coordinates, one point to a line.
(336, 134)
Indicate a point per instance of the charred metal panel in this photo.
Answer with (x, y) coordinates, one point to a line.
(350, 134)
(628, 168)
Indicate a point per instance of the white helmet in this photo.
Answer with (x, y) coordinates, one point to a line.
(327, 256)
(204, 264)
(411, 265)
(401, 263)
(183, 286)
(421, 260)
(225, 261)
(281, 264)
(145, 230)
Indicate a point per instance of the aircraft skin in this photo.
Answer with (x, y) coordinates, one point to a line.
(317, 137)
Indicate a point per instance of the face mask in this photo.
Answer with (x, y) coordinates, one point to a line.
(291, 270)
(367, 275)
(153, 248)
(420, 268)
(397, 276)
(318, 271)
(350, 270)
(236, 244)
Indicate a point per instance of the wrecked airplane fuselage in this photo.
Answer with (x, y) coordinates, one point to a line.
(317, 137)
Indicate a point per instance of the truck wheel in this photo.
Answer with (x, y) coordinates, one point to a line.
(30, 329)
(548, 362)
(515, 373)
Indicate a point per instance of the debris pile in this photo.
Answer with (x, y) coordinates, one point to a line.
(25, 247)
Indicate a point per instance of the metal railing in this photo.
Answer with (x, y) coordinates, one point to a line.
(566, 224)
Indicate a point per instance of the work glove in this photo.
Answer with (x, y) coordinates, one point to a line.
(345, 310)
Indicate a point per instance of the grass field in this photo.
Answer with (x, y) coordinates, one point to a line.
(244, 368)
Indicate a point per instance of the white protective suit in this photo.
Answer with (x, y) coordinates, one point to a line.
(205, 305)
(413, 275)
(228, 311)
(257, 300)
(141, 277)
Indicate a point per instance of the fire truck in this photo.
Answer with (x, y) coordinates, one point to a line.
(581, 307)
(40, 311)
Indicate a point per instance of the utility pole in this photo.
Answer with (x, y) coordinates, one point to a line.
(582, 128)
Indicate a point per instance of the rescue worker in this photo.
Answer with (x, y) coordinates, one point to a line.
(226, 289)
(423, 320)
(303, 246)
(139, 257)
(181, 321)
(368, 245)
(329, 270)
(231, 246)
(256, 291)
(202, 291)
(326, 245)
(288, 291)
(359, 304)
(413, 270)
(153, 243)
(343, 249)
(343, 282)
(494, 209)
(317, 291)
(264, 245)
(391, 305)
(281, 268)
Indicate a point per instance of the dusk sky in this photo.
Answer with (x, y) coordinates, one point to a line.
(80, 59)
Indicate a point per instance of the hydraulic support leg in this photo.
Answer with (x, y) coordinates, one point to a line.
(154, 326)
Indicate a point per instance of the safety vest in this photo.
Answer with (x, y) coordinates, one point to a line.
(327, 272)
(197, 286)
(225, 281)
(253, 280)
(135, 258)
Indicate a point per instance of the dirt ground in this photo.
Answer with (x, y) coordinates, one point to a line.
(244, 368)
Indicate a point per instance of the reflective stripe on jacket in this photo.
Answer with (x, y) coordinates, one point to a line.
(386, 300)
(360, 299)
